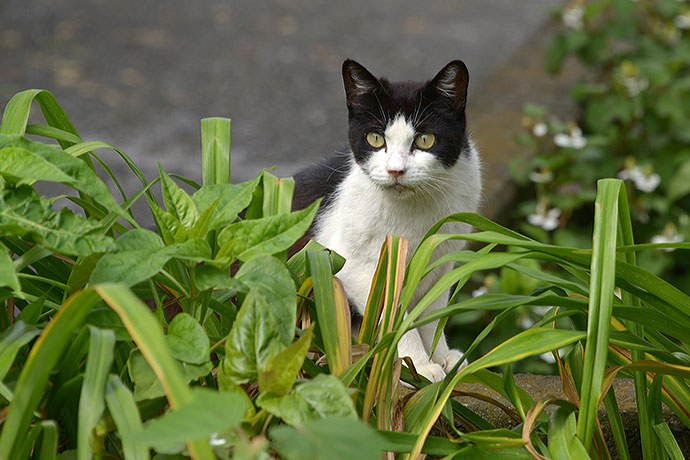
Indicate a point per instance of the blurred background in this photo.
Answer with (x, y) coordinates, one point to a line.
(140, 75)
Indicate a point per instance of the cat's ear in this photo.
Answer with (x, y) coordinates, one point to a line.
(451, 82)
(358, 81)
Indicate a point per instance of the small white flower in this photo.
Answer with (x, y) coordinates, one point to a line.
(634, 85)
(541, 177)
(574, 140)
(645, 181)
(573, 16)
(481, 290)
(670, 235)
(682, 21)
(546, 219)
(540, 129)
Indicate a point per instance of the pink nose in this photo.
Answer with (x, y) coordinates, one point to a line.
(395, 173)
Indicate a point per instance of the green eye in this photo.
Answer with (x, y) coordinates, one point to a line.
(375, 140)
(425, 141)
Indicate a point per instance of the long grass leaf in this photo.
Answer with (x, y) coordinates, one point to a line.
(215, 150)
(91, 402)
(125, 414)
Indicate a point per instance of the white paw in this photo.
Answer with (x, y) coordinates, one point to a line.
(432, 371)
(450, 359)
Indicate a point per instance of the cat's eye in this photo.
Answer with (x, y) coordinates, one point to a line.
(425, 141)
(376, 140)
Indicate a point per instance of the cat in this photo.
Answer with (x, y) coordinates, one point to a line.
(411, 163)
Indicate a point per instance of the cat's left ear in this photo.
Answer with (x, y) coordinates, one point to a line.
(451, 82)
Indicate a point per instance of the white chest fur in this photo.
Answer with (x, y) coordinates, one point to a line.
(362, 214)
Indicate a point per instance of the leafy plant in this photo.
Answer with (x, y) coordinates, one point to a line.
(202, 339)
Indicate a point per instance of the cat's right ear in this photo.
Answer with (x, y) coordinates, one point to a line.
(358, 82)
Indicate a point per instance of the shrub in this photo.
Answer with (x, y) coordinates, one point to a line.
(203, 339)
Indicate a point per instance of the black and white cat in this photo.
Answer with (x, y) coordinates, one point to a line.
(411, 164)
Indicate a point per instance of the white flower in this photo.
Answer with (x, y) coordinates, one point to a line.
(634, 85)
(546, 219)
(540, 129)
(682, 21)
(574, 140)
(216, 441)
(645, 181)
(670, 235)
(541, 177)
(573, 16)
(481, 290)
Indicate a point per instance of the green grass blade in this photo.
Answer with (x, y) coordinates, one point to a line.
(49, 441)
(668, 441)
(215, 150)
(91, 403)
(277, 194)
(602, 285)
(125, 414)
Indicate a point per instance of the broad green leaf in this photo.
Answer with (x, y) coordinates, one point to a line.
(233, 199)
(269, 235)
(8, 275)
(206, 413)
(141, 255)
(25, 214)
(324, 396)
(91, 400)
(254, 338)
(177, 201)
(146, 382)
(187, 340)
(270, 278)
(282, 369)
(333, 438)
(126, 417)
(563, 444)
(21, 158)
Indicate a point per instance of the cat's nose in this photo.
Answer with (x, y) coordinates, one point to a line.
(396, 173)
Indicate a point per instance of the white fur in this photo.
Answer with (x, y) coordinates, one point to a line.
(370, 204)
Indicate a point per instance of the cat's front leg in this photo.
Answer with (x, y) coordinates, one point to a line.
(444, 356)
(411, 345)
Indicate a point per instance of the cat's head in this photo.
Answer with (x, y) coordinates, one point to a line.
(405, 135)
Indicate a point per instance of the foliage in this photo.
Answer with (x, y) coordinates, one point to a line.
(633, 123)
(203, 339)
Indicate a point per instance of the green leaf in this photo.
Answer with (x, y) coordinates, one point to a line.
(269, 235)
(206, 413)
(187, 340)
(141, 254)
(146, 382)
(8, 275)
(21, 158)
(282, 369)
(270, 278)
(126, 417)
(324, 396)
(25, 214)
(563, 444)
(177, 201)
(233, 199)
(255, 337)
(333, 438)
(91, 399)
(215, 150)
(11, 340)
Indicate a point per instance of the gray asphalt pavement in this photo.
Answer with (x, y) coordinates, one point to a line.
(141, 74)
